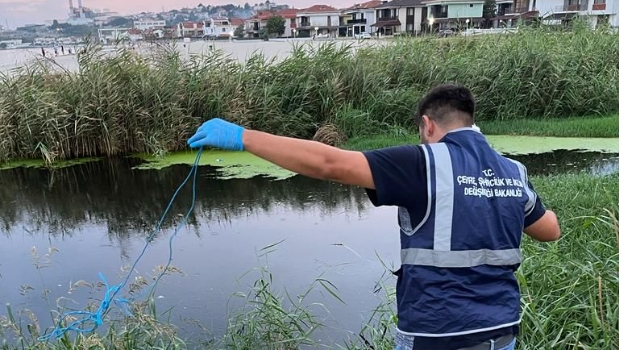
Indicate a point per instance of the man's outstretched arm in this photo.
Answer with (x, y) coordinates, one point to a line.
(310, 158)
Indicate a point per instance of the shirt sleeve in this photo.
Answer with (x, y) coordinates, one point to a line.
(399, 176)
(538, 209)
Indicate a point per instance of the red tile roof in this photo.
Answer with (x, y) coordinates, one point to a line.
(288, 13)
(192, 25)
(265, 15)
(262, 16)
(236, 21)
(365, 5)
(320, 8)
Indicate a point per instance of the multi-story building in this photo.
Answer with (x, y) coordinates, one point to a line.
(149, 24)
(597, 12)
(508, 15)
(454, 14)
(397, 16)
(360, 18)
(189, 30)
(318, 20)
(290, 21)
(217, 27)
(255, 25)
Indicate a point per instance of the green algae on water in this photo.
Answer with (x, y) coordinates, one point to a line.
(231, 165)
(518, 145)
(506, 144)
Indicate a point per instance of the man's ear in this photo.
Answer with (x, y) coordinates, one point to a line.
(428, 125)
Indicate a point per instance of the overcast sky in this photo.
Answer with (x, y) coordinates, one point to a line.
(20, 12)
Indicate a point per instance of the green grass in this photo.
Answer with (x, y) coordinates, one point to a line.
(598, 126)
(569, 293)
(131, 104)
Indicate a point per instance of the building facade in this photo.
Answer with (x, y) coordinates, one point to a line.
(360, 18)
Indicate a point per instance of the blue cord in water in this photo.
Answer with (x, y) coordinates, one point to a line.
(96, 317)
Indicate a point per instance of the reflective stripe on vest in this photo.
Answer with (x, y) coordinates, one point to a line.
(441, 255)
(531, 203)
(460, 258)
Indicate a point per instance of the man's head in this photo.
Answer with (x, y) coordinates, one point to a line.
(445, 107)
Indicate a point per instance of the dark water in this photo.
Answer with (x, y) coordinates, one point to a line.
(563, 161)
(98, 214)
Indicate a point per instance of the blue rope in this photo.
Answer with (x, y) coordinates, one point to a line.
(97, 317)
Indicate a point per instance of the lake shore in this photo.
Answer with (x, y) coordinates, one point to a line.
(127, 103)
(597, 133)
(239, 50)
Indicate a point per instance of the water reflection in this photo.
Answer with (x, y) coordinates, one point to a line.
(130, 201)
(563, 161)
(98, 214)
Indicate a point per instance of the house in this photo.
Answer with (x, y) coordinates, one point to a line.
(508, 15)
(236, 22)
(290, 21)
(109, 35)
(456, 14)
(318, 20)
(255, 25)
(189, 29)
(217, 27)
(149, 24)
(360, 17)
(399, 16)
(597, 12)
(135, 34)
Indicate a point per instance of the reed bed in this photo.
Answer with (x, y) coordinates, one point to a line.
(128, 103)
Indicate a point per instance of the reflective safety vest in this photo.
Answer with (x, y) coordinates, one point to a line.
(457, 275)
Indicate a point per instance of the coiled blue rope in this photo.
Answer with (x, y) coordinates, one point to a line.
(96, 318)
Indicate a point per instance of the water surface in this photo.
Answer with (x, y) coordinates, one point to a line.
(98, 215)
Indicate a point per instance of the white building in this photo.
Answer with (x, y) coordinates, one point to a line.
(318, 19)
(149, 24)
(460, 14)
(11, 44)
(218, 27)
(596, 11)
(109, 35)
(361, 17)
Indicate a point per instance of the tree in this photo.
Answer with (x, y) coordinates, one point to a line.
(488, 11)
(275, 25)
(247, 7)
(3, 45)
(239, 31)
(119, 22)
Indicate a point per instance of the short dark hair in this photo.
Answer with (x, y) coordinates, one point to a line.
(446, 103)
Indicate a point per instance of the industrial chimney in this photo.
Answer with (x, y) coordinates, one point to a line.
(71, 8)
(81, 8)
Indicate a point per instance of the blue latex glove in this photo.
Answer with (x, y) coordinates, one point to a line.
(218, 133)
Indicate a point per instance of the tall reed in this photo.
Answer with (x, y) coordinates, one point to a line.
(126, 103)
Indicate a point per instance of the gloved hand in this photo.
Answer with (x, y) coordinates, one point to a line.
(218, 133)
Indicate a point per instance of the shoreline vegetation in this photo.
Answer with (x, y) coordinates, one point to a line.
(534, 82)
(124, 103)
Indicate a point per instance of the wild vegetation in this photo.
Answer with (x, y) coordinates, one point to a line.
(126, 103)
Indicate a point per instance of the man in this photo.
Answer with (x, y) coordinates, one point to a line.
(462, 210)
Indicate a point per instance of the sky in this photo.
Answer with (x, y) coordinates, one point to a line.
(21, 12)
